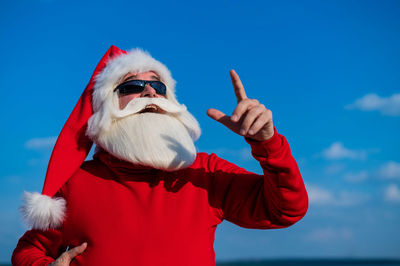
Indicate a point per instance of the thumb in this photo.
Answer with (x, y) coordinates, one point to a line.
(219, 116)
(215, 114)
(72, 253)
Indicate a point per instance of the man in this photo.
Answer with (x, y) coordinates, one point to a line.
(147, 197)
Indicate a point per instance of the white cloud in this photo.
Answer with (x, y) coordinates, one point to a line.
(338, 151)
(390, 170)
(392, 193)
(356, 177)
(319, 196)
(40, 143)
(334, 169)
(372, 102)
(350, 198)
(329, 234)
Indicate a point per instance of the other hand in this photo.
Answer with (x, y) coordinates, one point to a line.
(66, 258)
(250, 118)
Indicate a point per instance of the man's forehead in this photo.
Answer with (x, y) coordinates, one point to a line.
(147, 75)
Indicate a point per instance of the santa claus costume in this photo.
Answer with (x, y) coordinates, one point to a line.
(141, 214)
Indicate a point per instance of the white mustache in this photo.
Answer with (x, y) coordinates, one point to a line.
(138, 104)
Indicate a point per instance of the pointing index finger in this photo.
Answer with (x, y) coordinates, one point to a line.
(237, 86)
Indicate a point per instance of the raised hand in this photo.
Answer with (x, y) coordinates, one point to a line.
(250, 118)
(66, 258)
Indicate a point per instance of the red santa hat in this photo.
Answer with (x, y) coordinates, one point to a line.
(44, 211)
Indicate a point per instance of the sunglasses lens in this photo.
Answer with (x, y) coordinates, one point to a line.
(159, 87)
(130, 89)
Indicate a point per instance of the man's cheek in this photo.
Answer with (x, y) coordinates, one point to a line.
(124, 100)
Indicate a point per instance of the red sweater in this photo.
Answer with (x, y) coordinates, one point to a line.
(135, 215)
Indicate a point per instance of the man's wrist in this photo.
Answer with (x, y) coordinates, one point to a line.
(267, 146)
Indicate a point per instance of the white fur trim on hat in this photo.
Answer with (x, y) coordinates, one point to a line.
(136, 60)
(42, 212)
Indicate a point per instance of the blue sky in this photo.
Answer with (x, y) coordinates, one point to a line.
(328, 70)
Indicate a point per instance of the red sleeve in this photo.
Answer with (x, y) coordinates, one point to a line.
(38, 247)
(276, 199)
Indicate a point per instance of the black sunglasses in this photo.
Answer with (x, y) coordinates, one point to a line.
(137, 86)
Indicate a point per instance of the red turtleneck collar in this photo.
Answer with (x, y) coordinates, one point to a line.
(124, 169)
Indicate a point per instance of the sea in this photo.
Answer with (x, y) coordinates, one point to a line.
(312, 262)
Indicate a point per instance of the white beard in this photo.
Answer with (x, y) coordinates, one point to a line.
(163, 141)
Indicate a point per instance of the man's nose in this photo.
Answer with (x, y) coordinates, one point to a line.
(148, 92)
